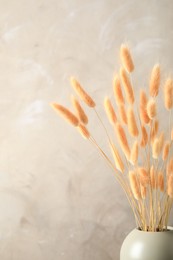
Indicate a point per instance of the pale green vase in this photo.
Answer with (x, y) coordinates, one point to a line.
(141, 245)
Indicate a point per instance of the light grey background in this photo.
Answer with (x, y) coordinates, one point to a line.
(58, 198)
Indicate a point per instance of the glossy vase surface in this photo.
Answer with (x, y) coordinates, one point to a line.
(142, 245)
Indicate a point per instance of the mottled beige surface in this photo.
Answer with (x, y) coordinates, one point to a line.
(58, 199)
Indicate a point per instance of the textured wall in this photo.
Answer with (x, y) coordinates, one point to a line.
(58, 198)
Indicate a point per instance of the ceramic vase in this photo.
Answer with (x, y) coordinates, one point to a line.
(142, 245)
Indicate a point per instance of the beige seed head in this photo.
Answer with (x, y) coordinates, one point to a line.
(83, 131)
(110, 111)
(155, 148)
(151, 108)
(127, 86)
(119, 98)
(121, 136)
(154, 130)
(117, 158)
(134, 153)
(83, 95)
(79, 110)
(131, 122)
(122, 114)
(126, 58)
(170, 186)
(172, 134)
(143, 98)
(168, 93)
(143, 176)
(161, 141)
(166, 148)
(155, 81)
(143, 192)
(153, 178)
(134, 184)
(161, 181)
(144, 137)
(169, 167)
(143, 115)
(65, 113)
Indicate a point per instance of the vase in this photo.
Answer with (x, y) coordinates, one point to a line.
(142, 245)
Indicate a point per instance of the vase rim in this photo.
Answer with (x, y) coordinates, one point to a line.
(169, 228)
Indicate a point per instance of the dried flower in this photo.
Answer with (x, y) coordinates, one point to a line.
(65, 113)
(126, 58)
(155, 81)
(79, 110)
(122, 140)
(170, 186)
(143, 155)
(144, 176)
(119, 98)
(144, 116)
(134, 153)
(166, 148)
(151, 108)
(156, 148)
(143, 192)
(153, 177)
(82, 93)
(122, 114)
(110, 111)
(161, 181)
(132, 124)
(161, 141)
(168, 93)
(117, 158)
(169, 167)
(83, 131)
(134, 185)
(127, 86)
(144, 138)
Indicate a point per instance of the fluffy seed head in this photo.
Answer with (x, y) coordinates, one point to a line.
(161, 141)
(168, 93)
(169, 167)
(126, 58)
(143, 192)
(161, 181)
(143, 98)
(170, 186)
(122, 140)
(117, 158)
(134, 184)
(119, 98)
(155, 81)
(65, 113)
(143, 176)
(172, 134)
(127, 86)
(154, 130)
(165, 153)
(83, 95)
(134, 153)
(110, 111)
(131, 122)
(144, 137)
(83, 131)
(156, 148)
(143, 115)
(151, 108)
(79, 110)
(153, 177)
(122, 114)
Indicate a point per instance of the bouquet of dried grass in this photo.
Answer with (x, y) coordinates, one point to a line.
(142, 159)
